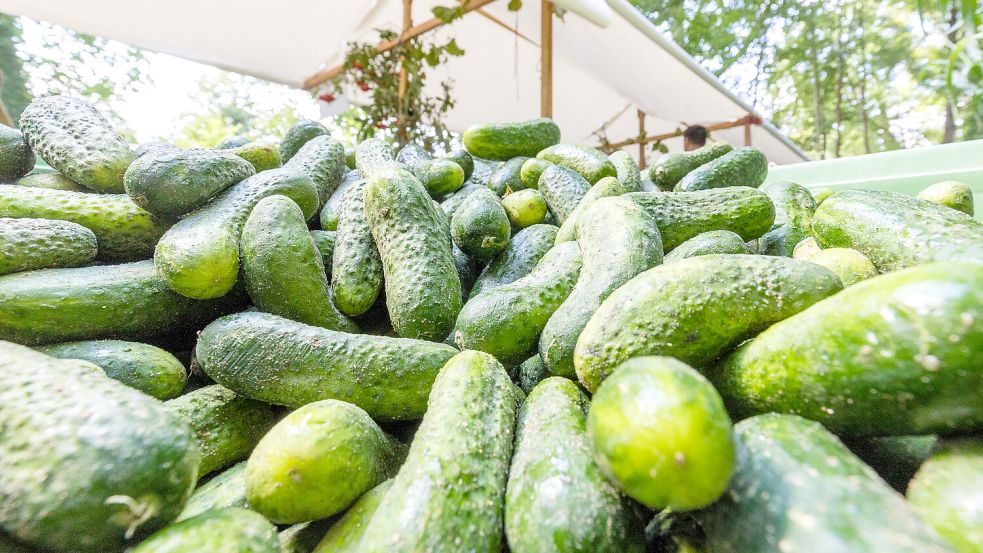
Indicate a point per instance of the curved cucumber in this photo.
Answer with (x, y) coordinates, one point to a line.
(523, 253)
(225, 530)
(504, 141)
(329, 211)
(16, 157)
(557, 499)
(507, 177)
(794, 208)
(893, 355)
(323, 160)
(346, 534)
(531, 170)
(298, 135)
(667, 310)
(356, 270)
(226, 489)
(741, 167)
(388, 377)
(948, 493)
(706, 243)
(605, 188)
(588, 161)
(124, 231)
(199, 256)
(262, 155)
(669, 169)
(563, 189)
(29, 244)
(949, 193)
(480, 227)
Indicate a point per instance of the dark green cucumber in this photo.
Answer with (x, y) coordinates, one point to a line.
(605, 188)
(350, 157)
(388, 377)
(480, 227)
(461, 157)
(896, 231)
(525, 208)
(794, 208)
(741, 167)
(199, 256)
(563, 189)
(124, 231)
(504, 141)
(744, 211)
(282, 267)
(375, 155)
(56, 181)
(147, 368)
(947, 492)
(317, 461)
(356, 271)
(797, 488)
(262, 155)
(16, 156)
(557, 499)
(896, 459)
(669, 169)
(298, 135)
(225, 530)
(227, 426)
(588, 161)
(956, 195)
(303, 537)
(707, 243)
(660, 432)
(893, 355)
(226, 489)
(329, 211)
(346, 534)
(523, 253)
(696, 310)
(440, 176)
(461, 452)
(618, 240)
(110, 301)
(483, 169)
(531, 372)
(507, 177)
(423, 291)
(77, 141)
(171, 182)
(323, 160)
(453, 201)
(86, 462)
(506, 321)
(467, 271)
(627, 171)
(325, 241)
(29, 244)
(848, 264)
(232, 142)
(531, 170)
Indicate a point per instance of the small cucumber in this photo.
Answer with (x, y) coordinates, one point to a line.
(230, 530)
(461, 157)
(850, 265)
(323, 160)
(588, 161)
(628, 173)
(16, 157)
(523, 253)
(563, 189)
(325, 241)
(328, 217)
(262, 155)
(671, 168)
(29, 244)
(356, 271)
(345, 535)
(507, 177)
(605, 188)
(741, 167)
(55, 181)
(531, 170)
(504, 141)
(226, 489)
(947, 492)
(525, 208)
(707, 243)
(298, 135)
(794, 208)
(440, 176)
(949, 193)
(480, 227)
(531, 372)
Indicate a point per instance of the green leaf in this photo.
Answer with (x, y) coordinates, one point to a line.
(433, 57)
(453, 49)
(446, 14)
(968, 9)
(514, 5)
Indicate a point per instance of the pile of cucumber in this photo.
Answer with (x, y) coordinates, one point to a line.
(520, 345)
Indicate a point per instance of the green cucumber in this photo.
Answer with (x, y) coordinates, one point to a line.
(375, 155)
(325, 241)
(896, 231)
(199, 256)
(356, 270)
(298, 135)
(618, 240)
(606, 187)
(227, 426)
(507, 177)
(110, 301)
(504, 141)
(303, 537)
(948, 493)
(346, 534)
(323, 160)
(29, 244)
(261, 154)
(56, 181)
(893, 355)
(461, 157)
(744, 211)
(350, 157)
(423, 291)
(329, 211)
(226, 489)
(628, 173)
(16, 157)
(949, 193)
(525, 208)
(707, 243)
(506, 321)
(848, 264)
(467, 271)
(76, 140)
(896, 459)
(563, 189)
(531, 170)
(148, 147)
(589, 162)
(523, 253)
(660, 432)
(317, 461)
(86, 462)
(170, 182)
(388, 377)
(483, 169)
(147, 368)
(797, 488)
(461, 452)
(741, 167)
(440, 176)
(669, 169)
(480, 227)
(282, 268)
(230, 530)
(124, 231)
(453, 201)
(557, 499)
(229, 143)
(794, 208)
(696, 310)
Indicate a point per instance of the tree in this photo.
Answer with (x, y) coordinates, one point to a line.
(13, 81)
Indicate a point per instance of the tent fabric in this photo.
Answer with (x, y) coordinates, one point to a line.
(601, 75)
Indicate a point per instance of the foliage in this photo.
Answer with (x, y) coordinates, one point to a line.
(13, 81)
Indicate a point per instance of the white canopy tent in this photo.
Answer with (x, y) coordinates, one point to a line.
(602, 76)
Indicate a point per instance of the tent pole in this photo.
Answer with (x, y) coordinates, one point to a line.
(546, 59)
(404, 75)
(747, 131)
(641, 132)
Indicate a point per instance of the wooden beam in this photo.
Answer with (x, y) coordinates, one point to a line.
(326, 75)
(641, 132)
(747, 133)
(546, 59)
(404, 74)
(747, 121)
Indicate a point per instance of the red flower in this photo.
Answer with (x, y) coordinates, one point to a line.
(358, 66)
(363, 85)
(380, 125)
(326, 98)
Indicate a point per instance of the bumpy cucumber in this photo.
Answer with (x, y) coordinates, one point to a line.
(523, 253)
(618, 240)
(317, 461)
(423, 291)
(29, 244)
(346, 534)
(227, 426)
(588, 161)
(525, 208)
(794, 208)
(466, 470)
(375, 155)
(171, 182)
(507, 177)
(461, 157)
(124, 231)
(627, 171)
(440, 176)
(199, 256)
(506, 321)
(531, 372)
(453, 201)
(557, 499)
(671, 168)
(504, 141)
(298, 135)
(741, 167)
(323, 160)
(56, 181)
(283, 269)
(262, 155)
(948, 493)
(16, 157)
(76, 140)
(224, 530)
(115, 463)
(896, 459)
(896, 231)
(480, 227)
(147, 368)
(110, 301)
(531, 170)
(388, 377)
(706, 243)
(744, 211)
(949, 193)
(325, 241)
(605, 188)
(563, 189)
(226, 489)
(850, 265)
(668, 310)
(887, 356)
(329, 211)
(356, 271)
(786, 467)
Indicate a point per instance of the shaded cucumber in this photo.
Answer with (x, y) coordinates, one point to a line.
(16, 156)
(669, 169)
(794, 208)
(706, 243)
(356, 271)
(325, 241)
(461, 157)
(226, 489)
(741, 167)
(29, 244)
(56, 181)
(523, 253)
(507, 177)
(628, 173)
(345, 535)
(895, 458)
(328, 217)
(531, 170)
